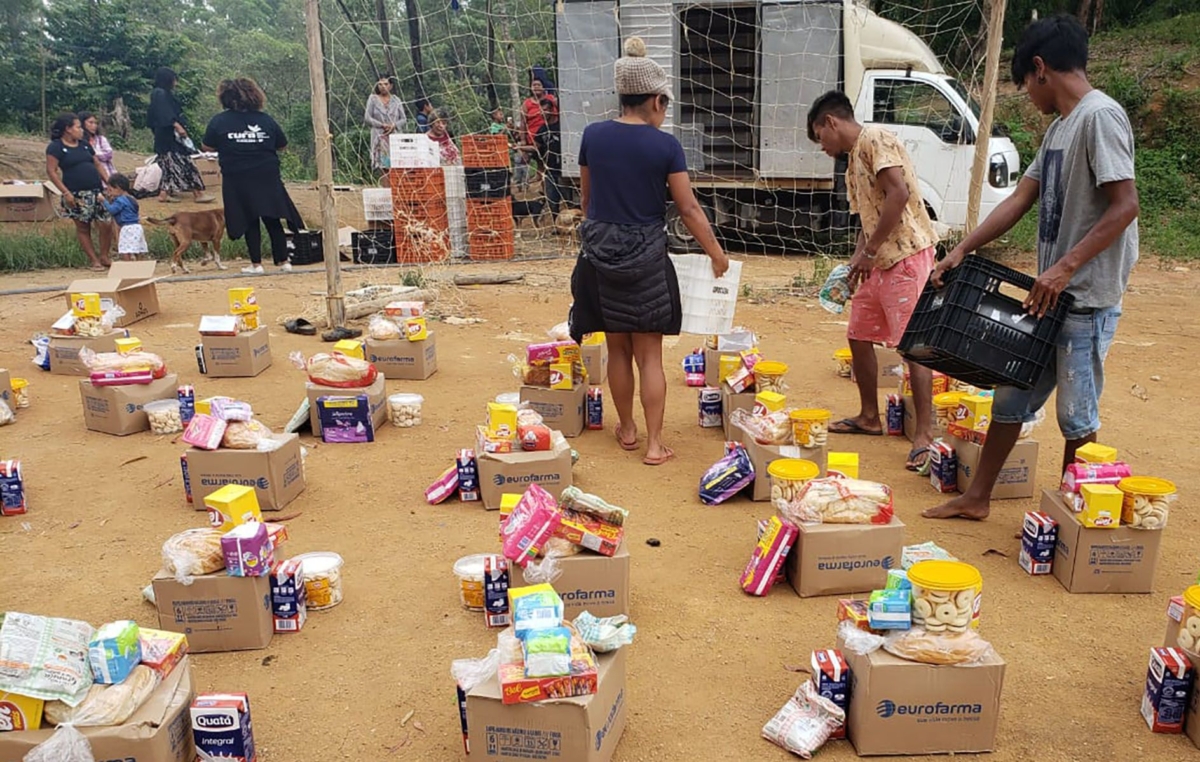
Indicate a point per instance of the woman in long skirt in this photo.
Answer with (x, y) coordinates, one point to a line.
(172, 154)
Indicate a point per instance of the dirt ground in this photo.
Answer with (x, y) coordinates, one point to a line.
(709, 664)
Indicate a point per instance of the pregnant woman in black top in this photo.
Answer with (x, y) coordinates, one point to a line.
(79, 175)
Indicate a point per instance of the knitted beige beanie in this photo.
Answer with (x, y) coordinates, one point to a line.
(638, 75)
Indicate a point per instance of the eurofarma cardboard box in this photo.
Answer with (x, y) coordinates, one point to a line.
(404, 360)
(580, 729)
(158, 731)
(900, 707)
(28, 201)
(130, 285)
(216, 612)
(277, 475)
(376, 394)
(1115, 560)
(118, 410)
(563, 410)
(242, 356)
(1018, 475)
(831, 559)
(64, 351)
(591, 582)
(514, 472)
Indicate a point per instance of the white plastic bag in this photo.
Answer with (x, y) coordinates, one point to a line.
(544, 571)
(468, 673)
(858, 641)
(560, 332)
(148, 177)
(45, 658)
(66, 745)
(805, 722)
(6, 414)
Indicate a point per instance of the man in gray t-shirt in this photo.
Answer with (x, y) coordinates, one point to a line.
(1083, 182)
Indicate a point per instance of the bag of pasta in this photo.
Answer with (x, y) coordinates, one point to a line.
(115, 362)
(770, 429)
(539, 374)
(106, 705)
(244, 435)
(383, 328)
(839, 501)
(336, 370)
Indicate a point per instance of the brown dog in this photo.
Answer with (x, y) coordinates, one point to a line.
(206, 228)
(568, 223)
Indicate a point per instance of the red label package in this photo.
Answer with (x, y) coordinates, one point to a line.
(769, 554)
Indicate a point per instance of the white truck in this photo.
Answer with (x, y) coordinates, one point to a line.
(745, 74)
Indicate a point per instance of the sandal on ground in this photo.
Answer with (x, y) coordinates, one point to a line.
(850, 426)
(659, 460)
(301, 327)
(341, 332)
(206, 199)
(913, 465)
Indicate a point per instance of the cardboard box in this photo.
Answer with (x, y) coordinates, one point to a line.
(6, 392)
(910, 420)
(159, 731)
(590, 582)
(210, 172)
(582, 729)
(64, 351)
(562, 410)
(730, 402)
(242, 356)
(216, 612)
(712, 361)
(762, 456)
(1018, 476)
(1116, 560)
(830, 559)
(276, 475)
(515, 471)
(376, 393)
(32, 201)
(131, 285)
(1175, 610)
(403, 359)
(118, 410)
(901, 707)
(595, 360)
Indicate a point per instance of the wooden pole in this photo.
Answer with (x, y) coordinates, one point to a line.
(335, 302)
(991, 73)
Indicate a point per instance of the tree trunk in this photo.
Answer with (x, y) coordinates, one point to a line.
(385, 35)
(121, 123)
(414, 44)
(1084, 12)
(358, 36)
(1098, 15)
(493, 95)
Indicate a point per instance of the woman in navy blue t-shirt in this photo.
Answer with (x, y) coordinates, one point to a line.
(624, 284)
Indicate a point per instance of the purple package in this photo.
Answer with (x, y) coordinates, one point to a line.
(248, 550)
(345, 419)
(728, 476)
(231, 410)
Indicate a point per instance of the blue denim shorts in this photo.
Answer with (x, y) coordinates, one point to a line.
(1077, 371)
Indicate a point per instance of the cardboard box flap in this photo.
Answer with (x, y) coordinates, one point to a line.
(882, 658)
(121, 275)
(28, 190)
(529, 457)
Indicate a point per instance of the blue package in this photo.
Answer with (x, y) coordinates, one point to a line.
(345, 419)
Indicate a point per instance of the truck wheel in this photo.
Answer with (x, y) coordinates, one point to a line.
(679, 239)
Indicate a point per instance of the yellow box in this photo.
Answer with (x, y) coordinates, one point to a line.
(975, 412)
(351, 348)
(125, 346)
(508, 501)
(1094, 452)
(501, 420)
(1101, 506)
(242, 301)
(594, 339)
(560, 376)
(18, 713)
(728, 365)
(231, 506)
(844, 463)
(416, 329)
(248, 321)
(205, 405)
(769, 402)
(85, 305)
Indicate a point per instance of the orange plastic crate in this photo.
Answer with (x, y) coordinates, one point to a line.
(411, 185)
(485, 151)
(490, 215)
(490, 253)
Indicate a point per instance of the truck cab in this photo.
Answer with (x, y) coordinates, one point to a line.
(745, 74)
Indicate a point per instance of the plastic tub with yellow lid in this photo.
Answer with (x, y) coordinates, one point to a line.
(945, 408)
(810, 427)
(946, 595)
(1189, 626)
(768, 376)
(788, 477)
(1147, 501)
(845, 362)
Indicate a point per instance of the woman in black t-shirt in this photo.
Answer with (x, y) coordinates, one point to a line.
(72, 165)
(247, 142)
(173, 156)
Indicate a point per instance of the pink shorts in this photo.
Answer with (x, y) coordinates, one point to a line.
(885, 300)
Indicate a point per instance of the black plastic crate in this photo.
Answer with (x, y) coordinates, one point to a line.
(971, 331)
(305, 247)
(487, 183)
(373, 247)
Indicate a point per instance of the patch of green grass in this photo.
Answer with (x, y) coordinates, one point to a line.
(56, 246)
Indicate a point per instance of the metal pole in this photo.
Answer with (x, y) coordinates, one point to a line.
(991, 72)
(334, 300)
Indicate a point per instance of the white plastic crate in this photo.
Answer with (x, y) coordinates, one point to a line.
(413, 152)
(377, 204)
(708, 302)
(456, 214)
(456, 182)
